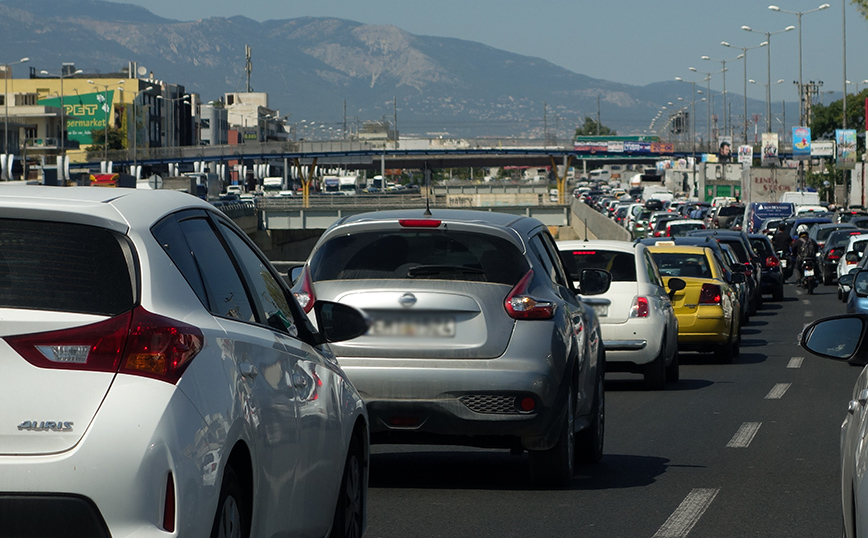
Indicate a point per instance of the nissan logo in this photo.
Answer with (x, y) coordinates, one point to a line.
(407, 300)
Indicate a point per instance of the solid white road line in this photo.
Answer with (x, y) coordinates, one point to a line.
(777, 391)
(795, 362)
(687, 514)
(744, 435)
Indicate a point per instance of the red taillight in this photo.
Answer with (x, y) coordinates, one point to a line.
(169, 505)
(419, 223)
(710, 294)
(772, 262)
(640, 308)
(305, 296)
(137, 342)
(519, 305)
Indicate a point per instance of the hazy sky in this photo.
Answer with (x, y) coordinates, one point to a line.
(632, 41)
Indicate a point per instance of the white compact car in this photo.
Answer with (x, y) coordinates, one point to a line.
(853, 252)
(159, 378)
(640, 330)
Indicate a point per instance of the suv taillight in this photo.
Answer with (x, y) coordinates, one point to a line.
(137, 342)
(519, 305)
(710, 294)
(772, 262)
(639, 309)
(305, 295)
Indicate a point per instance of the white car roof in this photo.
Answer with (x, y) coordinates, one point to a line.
(619, 246)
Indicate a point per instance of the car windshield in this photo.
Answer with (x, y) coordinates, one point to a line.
(622, 265)
(94, 277)
(415, 254)
(682, 264)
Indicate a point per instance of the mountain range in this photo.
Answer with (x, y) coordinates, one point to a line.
(332, 71)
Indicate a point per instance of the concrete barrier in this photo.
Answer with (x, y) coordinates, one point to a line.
(588, 223)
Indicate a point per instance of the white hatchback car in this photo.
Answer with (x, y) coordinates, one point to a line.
(853, 252)
(160, 379)
(640, 330)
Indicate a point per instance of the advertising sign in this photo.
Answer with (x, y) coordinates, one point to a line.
(615, 146)
(823, 148)
(724, 153)
(801, 143)
(637, 147)
(770, 148)
(845, 139)
(84, 113)
(745, 155)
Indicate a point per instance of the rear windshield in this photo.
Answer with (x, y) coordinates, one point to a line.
(63, 267)
(622, 265)
(737, 247)
(761, 247)
(730, 210)
(416, 254)
(682, 265)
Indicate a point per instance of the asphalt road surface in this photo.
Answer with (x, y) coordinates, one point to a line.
(742, 449)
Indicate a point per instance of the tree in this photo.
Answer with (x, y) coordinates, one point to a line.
(863, 7)
(116, 141)
(825, 119)
(591, 128)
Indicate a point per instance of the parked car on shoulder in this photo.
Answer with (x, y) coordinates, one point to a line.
(639, 327)
(479, 336)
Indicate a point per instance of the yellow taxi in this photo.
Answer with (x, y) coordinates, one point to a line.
(707, 308)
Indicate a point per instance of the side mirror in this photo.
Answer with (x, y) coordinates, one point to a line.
(594, 281)
(294, 272)
(837, 337)
(338, 322)
(675, 284)
(738, 268)
(847, 280)
(738, 278)
(860, 283)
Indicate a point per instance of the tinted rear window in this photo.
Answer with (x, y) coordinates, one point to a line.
(418, 254)
(63, 267)
(622, 265)
(682, 265)
(730, 211)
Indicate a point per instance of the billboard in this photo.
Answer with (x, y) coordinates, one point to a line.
(801, 143)
(83, 113)
(724, 153)
(745, 155)
(823, 148)
(770, 148)
(845, 139)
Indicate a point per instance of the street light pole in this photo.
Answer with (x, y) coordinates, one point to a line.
(707, 101)
(61, 169)
(744, 96)
(106, 109)
(6, 102)
(768, 69)
(723, 70)
(799, 14)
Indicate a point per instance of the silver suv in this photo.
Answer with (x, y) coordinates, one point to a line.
(478, 335)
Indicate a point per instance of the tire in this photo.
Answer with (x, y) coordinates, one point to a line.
(810, 284)
(672, 371)
(554, 467)
(589, 442)
(233, 509)
(727, 352)
(655, 371)
(350, 508)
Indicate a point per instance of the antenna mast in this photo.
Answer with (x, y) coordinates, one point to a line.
(248, 65)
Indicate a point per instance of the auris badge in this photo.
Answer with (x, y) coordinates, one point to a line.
(45, 426)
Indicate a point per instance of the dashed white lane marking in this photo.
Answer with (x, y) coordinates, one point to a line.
(806, 301)
(795, 362)
(687, 514)
(744, 435)
(809, 313)
(777, 391)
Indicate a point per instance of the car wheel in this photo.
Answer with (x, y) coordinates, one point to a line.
(655, 371)
(840, 294)
(589, 442)
(233, 516)
(350, 509)
(672, 371)
(727, 352)
(554, 467)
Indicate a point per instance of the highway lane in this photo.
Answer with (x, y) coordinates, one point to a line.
(742, 449)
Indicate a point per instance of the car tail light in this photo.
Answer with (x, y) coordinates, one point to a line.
(169, 505)
(305, 295)
(640, 308)
(519, 305)
(710, 294)
(772, 262)
(419, 223)
(137, 342)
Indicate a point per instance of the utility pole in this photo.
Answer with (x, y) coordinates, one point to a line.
(598, 114)
(248, 64)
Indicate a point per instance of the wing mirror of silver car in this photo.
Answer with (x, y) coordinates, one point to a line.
(338, 322)
(675, 285)
(838, 337)
(594, 282)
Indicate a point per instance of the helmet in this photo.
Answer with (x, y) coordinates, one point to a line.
(802, 229)
(782, 226)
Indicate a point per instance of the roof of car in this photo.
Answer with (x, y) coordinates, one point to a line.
(491, 218)
(620, 246)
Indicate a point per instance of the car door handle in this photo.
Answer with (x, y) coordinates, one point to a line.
(248, 370)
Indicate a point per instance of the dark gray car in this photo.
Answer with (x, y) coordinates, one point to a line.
(478, 335)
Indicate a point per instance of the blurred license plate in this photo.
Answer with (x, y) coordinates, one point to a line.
(601, 310)
(809, 272)
(441, 327)
(784, 263)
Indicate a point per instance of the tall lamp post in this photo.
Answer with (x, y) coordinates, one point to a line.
(744, 53)
(6, 101)
(768, 69)
(105, 108)
(799, 14)
(723, 70)
(707, 100)
(61, 169)
(170, 112)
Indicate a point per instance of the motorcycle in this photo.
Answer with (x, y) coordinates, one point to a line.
(810, 279)
(787, 263)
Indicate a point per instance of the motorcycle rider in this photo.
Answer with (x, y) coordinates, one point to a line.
(783, 243)
(806, 250)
